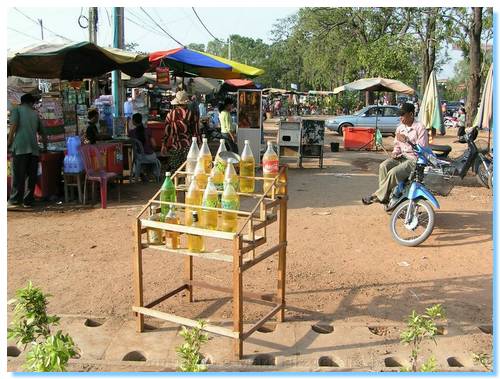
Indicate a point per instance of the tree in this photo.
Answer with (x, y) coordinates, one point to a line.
(196, 46)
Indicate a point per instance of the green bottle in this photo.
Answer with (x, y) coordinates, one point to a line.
(167, 194)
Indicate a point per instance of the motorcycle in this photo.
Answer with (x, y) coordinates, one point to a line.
(411, 202)
(479, 160)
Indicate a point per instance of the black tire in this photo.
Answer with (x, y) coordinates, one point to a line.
(340, 130)
(490, 181)
(399, 214)
(482, 174)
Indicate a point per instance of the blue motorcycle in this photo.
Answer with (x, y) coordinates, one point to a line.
(412, 203)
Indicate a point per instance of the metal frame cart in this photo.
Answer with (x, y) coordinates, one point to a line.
(249, 246)
(313, 140)
(289, 141)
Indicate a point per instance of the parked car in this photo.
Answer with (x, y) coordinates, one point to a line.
(452, 107)
(387, 122)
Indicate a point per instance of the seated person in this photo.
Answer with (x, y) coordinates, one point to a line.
(91, 135)
(145, 137)
(403, 160)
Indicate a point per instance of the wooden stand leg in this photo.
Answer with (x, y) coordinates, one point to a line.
(237, 299)
(79, 183)
(188, 276)
(282, 259)
(137, 264)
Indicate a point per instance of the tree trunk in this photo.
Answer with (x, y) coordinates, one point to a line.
(474, 82)
(429, 46)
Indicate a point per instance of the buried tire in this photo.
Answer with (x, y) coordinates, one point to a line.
(420, 226)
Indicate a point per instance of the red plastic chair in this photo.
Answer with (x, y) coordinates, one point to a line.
(94, 160)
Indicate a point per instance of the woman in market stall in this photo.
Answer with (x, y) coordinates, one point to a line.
(226, 124)
(180, 127)
(145, 138)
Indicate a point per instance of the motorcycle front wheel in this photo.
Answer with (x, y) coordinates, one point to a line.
(482, 173)
(420, 226)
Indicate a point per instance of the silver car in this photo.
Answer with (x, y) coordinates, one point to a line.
(387, 122)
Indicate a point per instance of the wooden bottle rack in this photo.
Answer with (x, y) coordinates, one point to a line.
(248, 249)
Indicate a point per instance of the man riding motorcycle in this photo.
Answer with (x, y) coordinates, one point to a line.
(403, 159)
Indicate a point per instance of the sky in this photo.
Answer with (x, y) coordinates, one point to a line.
(181, 23)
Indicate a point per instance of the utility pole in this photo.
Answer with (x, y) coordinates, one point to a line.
(93, 17)
(118, 42)
(229, 47)
(41, 26)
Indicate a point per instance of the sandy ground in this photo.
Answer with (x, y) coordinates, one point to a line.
(342, 262)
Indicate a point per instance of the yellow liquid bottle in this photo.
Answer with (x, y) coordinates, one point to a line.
(206, 156)
(172, 239)
(196, 244)
(247, 168)
(270, 163)
(217, 178)
(210, 199)
(192, 159)
(200, 175)
(230, 201)
(231, 176)
(193, 197)
(218, 161)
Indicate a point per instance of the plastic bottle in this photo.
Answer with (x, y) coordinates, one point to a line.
(218, 160)
(270, 163)
(200, 175)
(195, 243)
(247, 168)
(154, 235)
(231, 176)
(206, 156)
(192, 159)
(210, 199)
(167, 194)
(193, 197)
(172, 240)
(230, 200)
(217, 178)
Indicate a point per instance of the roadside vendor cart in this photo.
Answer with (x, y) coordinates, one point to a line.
(251, 244)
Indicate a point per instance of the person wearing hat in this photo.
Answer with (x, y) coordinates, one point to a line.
(403, 159)
(180, 127)
(25, 124)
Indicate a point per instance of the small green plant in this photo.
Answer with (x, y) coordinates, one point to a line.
(483, 359)
(421, 327)
(51, 355)
(30, 320)
(31, 325)
(189, 351)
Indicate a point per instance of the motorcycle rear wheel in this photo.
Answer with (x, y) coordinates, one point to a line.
(424, 223)
(482, 174)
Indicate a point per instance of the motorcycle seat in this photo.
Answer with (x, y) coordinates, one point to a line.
(440, 150)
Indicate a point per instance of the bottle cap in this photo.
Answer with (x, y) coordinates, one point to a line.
(247, 141)
(222, 140)
(195, 216)
(168, 173)
(193, 139)
(204, 139)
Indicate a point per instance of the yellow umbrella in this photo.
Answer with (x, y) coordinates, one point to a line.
(430, 109)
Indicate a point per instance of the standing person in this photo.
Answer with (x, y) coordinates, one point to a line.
(403, 159)
(226, 124)
(145, 137)
(202, 108)
(180, 127)
(25, 124)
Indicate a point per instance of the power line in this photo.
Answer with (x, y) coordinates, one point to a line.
(209, 32)
(148, 29)
(38, 23)
(24, 34)
(159, 26)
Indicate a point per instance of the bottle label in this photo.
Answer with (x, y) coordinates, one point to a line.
(220, 166)
(230, 204)
(212, 203)
(271, 167)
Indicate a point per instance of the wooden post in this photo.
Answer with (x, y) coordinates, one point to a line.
(137, 264)
(237, 298)
(188, 276)
(282, 258)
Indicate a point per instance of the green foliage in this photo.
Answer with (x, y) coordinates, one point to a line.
(31, 325)
(430, 365)
(189, 351)
(30, 320)
(51, 355)
(420, 327)
(483, 359)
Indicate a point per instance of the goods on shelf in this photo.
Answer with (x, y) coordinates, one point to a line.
(51, 114)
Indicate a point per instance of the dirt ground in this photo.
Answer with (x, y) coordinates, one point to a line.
(341, 262)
